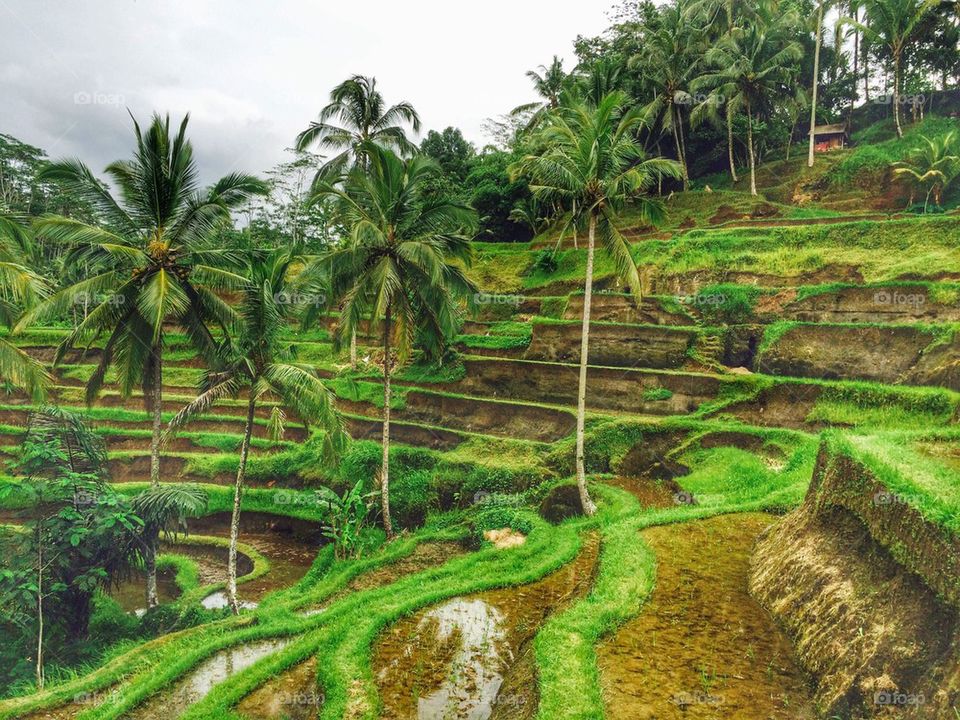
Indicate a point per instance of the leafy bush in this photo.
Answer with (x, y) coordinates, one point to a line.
(495, 518)
(727, 304)
(655, 394)
(553, 307)
(544, 263)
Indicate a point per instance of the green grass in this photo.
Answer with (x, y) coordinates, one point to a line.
(924, 482)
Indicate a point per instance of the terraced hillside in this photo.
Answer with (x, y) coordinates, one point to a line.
(788, 389)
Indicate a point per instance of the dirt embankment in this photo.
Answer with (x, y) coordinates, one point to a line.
(882, 354)
(621, 389)
(888, 304)
(432, 437)
(609, 307)
(868, 590)
(510, 420)
(613, 345)
(690, 283)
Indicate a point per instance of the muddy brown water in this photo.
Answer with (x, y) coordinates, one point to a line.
(702, 648)
(289, 545)
(294, 693)
(454, 661)
(196, 684)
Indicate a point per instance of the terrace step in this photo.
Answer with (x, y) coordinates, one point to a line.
(617, 308)
(887, 303)
(613, 345)
(904, 354)
(647, 392)
(17, 416)
(473, 415)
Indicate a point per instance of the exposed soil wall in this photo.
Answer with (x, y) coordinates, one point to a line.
(613, 345)
(627, 389)
(783, 405)
(528, 422)
(868, 592)
(838, 352)
(608, 307)
(434, 438)
(899, 304)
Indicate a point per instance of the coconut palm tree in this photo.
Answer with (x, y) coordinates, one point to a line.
(19, 287)
(592, 161)
(360, 116)
(669, 65)
(403, 264)
(934, 165)
(356, 116)
(549, 82)
(257, 358)
(163, 510)
(152, 262)
(893, 24)
(753, 67)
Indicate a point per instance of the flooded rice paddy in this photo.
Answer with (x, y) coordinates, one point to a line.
(702, 648)
(452, 661)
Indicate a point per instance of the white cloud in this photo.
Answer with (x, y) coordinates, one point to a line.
(253, 74)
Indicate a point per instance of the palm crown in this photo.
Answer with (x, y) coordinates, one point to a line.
(150, 257)
(355, 116)
(19, 287)
(593, 162)
(405, 253)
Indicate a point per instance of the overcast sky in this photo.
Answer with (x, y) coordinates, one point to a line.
(254, 73)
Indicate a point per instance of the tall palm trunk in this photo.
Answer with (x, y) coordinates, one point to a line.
(753, 160)
(353, 350)
(816, 86)
(237, 500)
(39, 610)
(733, 165)
(676, 140)
(156, 400)
(683, 148)
(588, 507)
(385, 467)
(856, 62)
(896, 91)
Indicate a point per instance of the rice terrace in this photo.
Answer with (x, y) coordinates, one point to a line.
(356, 365)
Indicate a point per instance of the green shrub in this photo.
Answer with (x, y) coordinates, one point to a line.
(655, 394)
(727, 304)
(109, 623)
(494, 518)
(553, 307)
